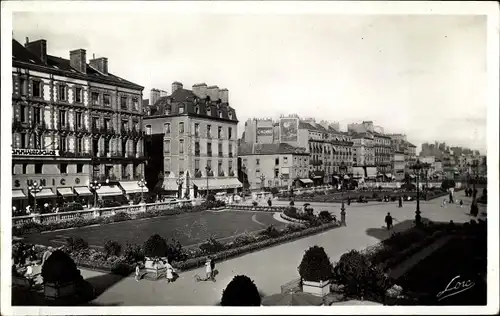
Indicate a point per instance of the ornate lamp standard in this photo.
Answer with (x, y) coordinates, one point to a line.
(282, 176)
(262, 179)
(417, 169)
(342, 169)
(179, 181)
(95, 185)
(141, 183)
(35, 188)
(207, 169)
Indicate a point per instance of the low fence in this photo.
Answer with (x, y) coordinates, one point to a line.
(90, 213)
(241, 207)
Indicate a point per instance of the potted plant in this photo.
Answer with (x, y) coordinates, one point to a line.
(241, 291)
(316, 271)
(60, 276)
(155, 253)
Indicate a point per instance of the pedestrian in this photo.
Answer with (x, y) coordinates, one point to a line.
(400, 201)
(137, 272)
(451, 197)
(208, 269)
(444, 203)
(170, 272)
(269, 203)
(212, 267)
(461, 203)
(388, 221)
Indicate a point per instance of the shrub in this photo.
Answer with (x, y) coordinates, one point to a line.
(211, 246)
(175, 251)
(60, 268)
(20, 252)
(254, 203)
(121, 216)
(112, 248)
(315, 265)
(210, 197)
(121, 267)
(447, 183)
(76, 244)
(241, 291)
(271, 232)
(292, 203)
(155, 246)
(274, 191)
(375, 195)
(244, 239)
(360, 278)
(325, 216)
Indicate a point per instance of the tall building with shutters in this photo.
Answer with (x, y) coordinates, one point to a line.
(73, 122)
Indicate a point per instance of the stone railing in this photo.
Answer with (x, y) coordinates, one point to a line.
(241, 207)
(89, 213)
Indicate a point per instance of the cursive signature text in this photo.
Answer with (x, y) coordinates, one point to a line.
(454, 287)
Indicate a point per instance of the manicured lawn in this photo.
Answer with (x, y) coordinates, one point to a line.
(188, 229)
(459, 257)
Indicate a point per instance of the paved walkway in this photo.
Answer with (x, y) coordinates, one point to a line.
(272, 267)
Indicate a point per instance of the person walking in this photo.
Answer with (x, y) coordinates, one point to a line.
(170, 272)
(269, 203)
(212, 267)
(137, 272)
(461, 203)
(444, 203)
(388, 221)
(400, 201)
(208, 269)
(451, 197)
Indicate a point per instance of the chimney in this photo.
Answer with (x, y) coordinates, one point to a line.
(176, 85)
(38, 48)
(154, 95)
(78, 60)
(101, 64)
(200, 90)
(224, 95)
(163, 93)
(213, 93)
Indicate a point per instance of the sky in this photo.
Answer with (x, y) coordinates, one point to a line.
(424, 76)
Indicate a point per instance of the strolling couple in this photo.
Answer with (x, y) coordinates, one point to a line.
(210, 269)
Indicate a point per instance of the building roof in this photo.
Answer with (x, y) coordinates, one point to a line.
(194, 106)
(246, 149)
(22, 57)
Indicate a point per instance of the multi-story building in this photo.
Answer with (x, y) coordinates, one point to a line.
(73, 123)
(383, 153)
(364, 155)
(260, 131)
(274, 165)
(192, 135)
(399, 165)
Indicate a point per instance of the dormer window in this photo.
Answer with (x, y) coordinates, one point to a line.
(167, 110)
(230, 114)
(181, 109)
(197, 110)
(209, 111)
(220, 114)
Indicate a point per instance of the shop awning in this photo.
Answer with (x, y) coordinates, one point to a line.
(65, 191)
(336, 177)
(82, 191)
(318, 177)
(412, 176)
(306, 181)
(18, 194)
(217, 184)
(45, 193)
(346, 177)
(109, 190)
(388, 175)
(132, 187)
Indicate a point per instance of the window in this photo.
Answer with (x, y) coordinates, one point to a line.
(37, 115)
(123, 102)
(181, 146)
(63, 168)
(209, 131)
(221, 172)
(62, 118)
(230, 150)
(269, 183)
(167, 128)
(124, 125)
(230, 114)
(209, 164)
(62, 90)
(106, 146)
(277, 161)
(220, 114)
(181, 128)
(78, 95)
(148, 129)
(38, 168)
(23, 85)
(209, 149)
(37, 89)
(196, 166)
(106, 100)
(62, 143)
(25, 166)
(197, 110)
(276, 173)
(22, 110)
(257, 161)
(196, 129)
(285, 159)
(94, 96)
(23, 140)
(197, 148)
(95, 122)
(78, 119)
(229, 132)
(219, 132)
(79, 145)
(107, 124)
(181, 109)
(168, 110)
(209, 110)
(220, 150)
(135, 102)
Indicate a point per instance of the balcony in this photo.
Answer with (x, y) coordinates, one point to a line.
(104, 177)
(231, 173)
(197, 153)
(220, 154)
(210, 173)
(230, 155)
(221, 174)
(197, 174)
(209, 154)
(68, 154)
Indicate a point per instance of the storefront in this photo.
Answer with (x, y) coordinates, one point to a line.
(84, 196)
(132, 189)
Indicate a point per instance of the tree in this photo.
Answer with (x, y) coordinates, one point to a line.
(241, 291)
(155, 246)
(316, 265)
(60, 268)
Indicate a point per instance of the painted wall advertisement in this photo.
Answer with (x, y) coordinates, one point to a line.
(264, 131)
(289, 129)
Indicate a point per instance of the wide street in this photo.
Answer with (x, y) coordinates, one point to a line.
(272, 267)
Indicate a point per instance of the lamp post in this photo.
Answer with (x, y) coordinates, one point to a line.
(417, 168)
(179, 181)
(95, 185)
(141, 183)
(282, 176)
(262, 179)
(35, 188)
(342, 169)
(207, 169)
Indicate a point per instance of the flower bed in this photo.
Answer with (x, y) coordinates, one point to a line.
(33, 227)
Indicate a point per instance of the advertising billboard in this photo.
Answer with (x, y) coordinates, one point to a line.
(264, 131)
(289, 129)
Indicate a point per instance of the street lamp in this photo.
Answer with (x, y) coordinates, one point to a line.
(35, 188)
(179, 181)
(417, 168)
(262, 179)
(207, 169)
(95, 186)
(142, 184)
(342, 169)
(282, 176)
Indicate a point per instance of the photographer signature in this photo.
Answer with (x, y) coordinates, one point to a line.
(454, 287)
